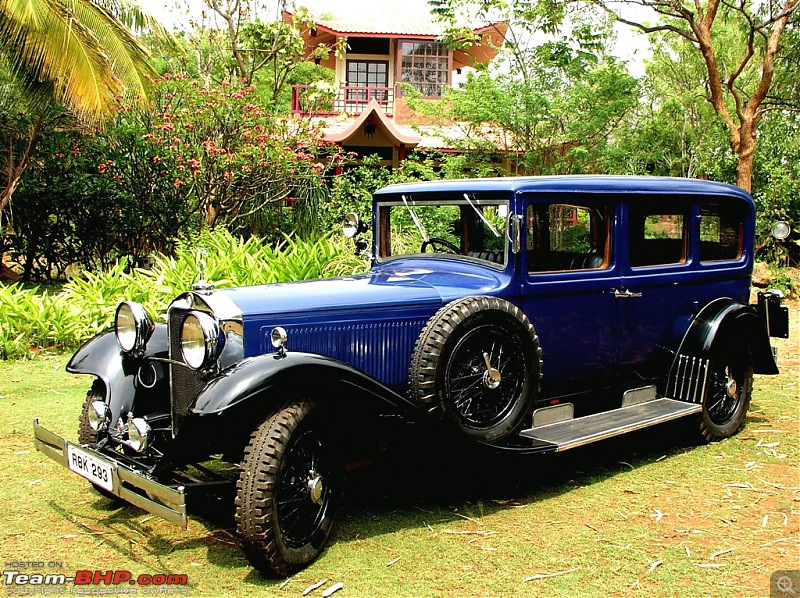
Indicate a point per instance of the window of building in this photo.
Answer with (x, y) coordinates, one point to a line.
(371, 77)
(720, 232)
(425, 66)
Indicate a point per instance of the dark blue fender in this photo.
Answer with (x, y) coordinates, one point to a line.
(259, 384)
(101, 357)
(725, 317)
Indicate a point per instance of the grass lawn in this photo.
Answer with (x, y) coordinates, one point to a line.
(650, 514)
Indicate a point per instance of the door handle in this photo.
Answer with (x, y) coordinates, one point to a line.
(625, 294)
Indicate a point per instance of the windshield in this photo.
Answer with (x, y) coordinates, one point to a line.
(467, 227)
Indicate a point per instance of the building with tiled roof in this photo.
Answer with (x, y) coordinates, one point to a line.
(385, 44)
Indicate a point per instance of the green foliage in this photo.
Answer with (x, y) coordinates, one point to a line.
(776, 186)
(555, 94)
(30, 318)
(66, 212)
(196, 156)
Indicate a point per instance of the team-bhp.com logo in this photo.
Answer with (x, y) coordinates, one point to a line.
(93, 578)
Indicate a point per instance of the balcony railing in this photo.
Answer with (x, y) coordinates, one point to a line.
(350, 99)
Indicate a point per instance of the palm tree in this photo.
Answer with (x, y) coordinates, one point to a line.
(81, 54)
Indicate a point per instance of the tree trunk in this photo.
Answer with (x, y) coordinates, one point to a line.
(15, 172)
(745, 157)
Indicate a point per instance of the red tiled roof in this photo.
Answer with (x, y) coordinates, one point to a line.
(390, 130)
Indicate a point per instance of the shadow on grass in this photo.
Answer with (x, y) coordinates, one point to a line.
(416, 482)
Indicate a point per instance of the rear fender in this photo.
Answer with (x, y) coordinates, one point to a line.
(721, 321)
(727, 319)
(102, 357)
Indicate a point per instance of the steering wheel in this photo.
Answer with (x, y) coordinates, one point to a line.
(442, 244)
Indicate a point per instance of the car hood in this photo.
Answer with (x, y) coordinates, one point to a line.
(373, 291)
(404, 283)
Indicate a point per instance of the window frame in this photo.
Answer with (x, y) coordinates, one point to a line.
(737, 215)
(605, 237)
(383, 242)
(635, 209)
(449, 69)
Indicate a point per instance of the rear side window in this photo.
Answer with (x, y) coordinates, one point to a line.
(720, 232)
(658, 236)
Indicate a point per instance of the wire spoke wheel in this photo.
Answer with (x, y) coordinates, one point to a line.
(728, 390)
(288, 491)
(303, 494)
(477, 398)
(479, 362)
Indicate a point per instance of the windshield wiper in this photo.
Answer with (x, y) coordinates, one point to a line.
(481, 216)
(417, 223)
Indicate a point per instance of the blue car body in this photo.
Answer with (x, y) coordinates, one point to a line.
(543, 292)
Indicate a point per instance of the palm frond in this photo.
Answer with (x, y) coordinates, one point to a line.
(81, 46)
(128, 58)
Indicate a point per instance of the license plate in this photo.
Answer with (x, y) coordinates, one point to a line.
(93, 469)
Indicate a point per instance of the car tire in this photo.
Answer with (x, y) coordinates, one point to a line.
(288, 490)
(449, 368)
(728, 391)
(89, 436)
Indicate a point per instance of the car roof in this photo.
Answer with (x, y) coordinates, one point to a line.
(646, 185)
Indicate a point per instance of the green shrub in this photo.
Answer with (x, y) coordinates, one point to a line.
(30, 318)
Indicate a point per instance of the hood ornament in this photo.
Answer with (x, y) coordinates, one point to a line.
(202, 284)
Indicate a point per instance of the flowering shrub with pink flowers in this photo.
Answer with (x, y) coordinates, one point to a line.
(197, 157)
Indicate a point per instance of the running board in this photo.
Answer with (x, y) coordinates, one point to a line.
(599, 426)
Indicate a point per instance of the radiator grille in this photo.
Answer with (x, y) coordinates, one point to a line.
(185, 383)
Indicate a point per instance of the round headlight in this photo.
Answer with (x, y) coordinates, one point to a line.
(201, 340)
(138, 434)
(781, 230)
(98, 416)
(133, 327)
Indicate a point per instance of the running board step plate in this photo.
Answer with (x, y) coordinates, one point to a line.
(591, 428)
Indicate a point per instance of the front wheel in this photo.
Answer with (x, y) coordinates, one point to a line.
(728, 391)
(288, 491)
(87, 434)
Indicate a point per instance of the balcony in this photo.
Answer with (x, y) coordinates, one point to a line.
(349, 99)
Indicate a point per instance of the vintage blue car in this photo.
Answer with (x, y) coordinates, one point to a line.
(495, 309)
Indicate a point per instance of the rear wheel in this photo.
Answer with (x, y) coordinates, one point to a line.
(289, 490)
(728, 391)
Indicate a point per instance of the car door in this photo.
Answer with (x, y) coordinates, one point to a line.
(679, 253)
(569, 274)
(657, 283)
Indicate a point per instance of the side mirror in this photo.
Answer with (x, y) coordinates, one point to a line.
(361, 246)
(353, 226)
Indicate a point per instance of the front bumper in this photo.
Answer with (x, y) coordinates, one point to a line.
(132, 486)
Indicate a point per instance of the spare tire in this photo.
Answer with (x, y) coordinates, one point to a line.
(478, 360)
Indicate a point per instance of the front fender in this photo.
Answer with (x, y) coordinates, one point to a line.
(725, 317)
(246, 387)
(102, 357)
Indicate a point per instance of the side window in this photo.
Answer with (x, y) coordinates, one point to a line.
(720, 232)
(657, 236)
(566, 237)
